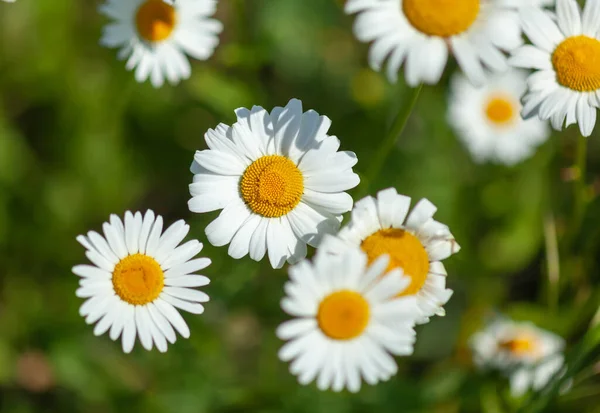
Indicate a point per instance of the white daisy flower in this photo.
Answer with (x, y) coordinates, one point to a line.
(155, 36)
(530, 355)
(138, 277)
(279, 179)
(415, 242)
(421, 34)
(566, 55)
(488, 119)
(348, 320)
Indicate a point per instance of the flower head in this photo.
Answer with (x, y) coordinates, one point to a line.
(348, 320)
(138, 277)
(155, 35)
(279, 179)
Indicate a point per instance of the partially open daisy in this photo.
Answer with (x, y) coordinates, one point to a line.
(488, 119)
(348, 320)
(155, 35)
(138, 277)
(566, 54)
(415, 242)
(528, 354)
(421, 33)
(279, 179)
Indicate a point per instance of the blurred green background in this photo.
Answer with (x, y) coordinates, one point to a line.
(79, 140)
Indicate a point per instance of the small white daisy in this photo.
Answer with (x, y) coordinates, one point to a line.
(528, 354)
(421, 33)
(155, 36)
(348, 319)
(138, 277)
(279, 179)
(414, 241)
(566, 55)
(488, 119)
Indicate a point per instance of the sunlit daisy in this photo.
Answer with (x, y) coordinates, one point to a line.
(138, 277)
(155, 36)
(488, 119)
(528, 354)
(566, 54)
(421, 34)
(415, 242)
(279, 179)
(348, 320)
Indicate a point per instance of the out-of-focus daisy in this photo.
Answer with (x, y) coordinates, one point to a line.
(155, 36)
(566, 54)
(528, 354)
(138, 277)
(279, 179)
(348, 320)
(415, 242)
(488, 119)
(421, 34)
(9, 1)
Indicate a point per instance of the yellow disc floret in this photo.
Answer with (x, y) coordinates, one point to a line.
(405, 251)
(500, 110)
(155, 20)
(272, 186)
(521, 345)
(443, 18)
(343, 315)
(577, 63)
(138, 279)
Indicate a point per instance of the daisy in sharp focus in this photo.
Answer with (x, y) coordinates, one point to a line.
(139, 277)
(349, 320)
(488, 119)
(279, 179)
(415, 242)
(529, 355)
(566, 56)
(156, 35)
(422, 33)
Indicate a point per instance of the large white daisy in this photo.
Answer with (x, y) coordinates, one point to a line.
(279, 179)
(415, 242)
(138, 277)
(488, 119)
(529, 355)
(348, 320)
(566, 56)
(155, 36)
(421, 34)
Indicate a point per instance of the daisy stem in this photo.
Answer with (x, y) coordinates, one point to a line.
(392, 136)
(552, 260)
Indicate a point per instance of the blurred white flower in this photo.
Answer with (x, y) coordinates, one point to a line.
(140, 275)
(155, 36)
(488, 119)
(348, 320)
(415, 242)
(528, 354)
(566, 56)
(279, 179)
(422, 33)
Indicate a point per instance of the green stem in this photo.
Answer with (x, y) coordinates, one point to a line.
(552, 261)
(391, 138)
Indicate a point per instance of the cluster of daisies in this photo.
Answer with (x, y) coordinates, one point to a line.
(279, 181)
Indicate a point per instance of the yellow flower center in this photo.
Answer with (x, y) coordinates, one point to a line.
(405, 251)
(577, 63)
(155, 20)
(272, 186)
(521, 345)
(343, 315)
(443, 18)
(500, 110)
(138, 279)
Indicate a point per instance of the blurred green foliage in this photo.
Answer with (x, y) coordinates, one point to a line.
(79, 139)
